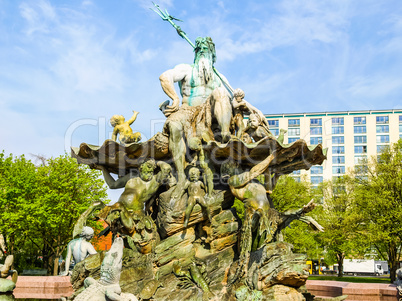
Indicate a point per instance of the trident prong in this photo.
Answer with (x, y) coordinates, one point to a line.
(167, 17)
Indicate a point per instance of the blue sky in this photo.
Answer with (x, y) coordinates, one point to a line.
(68, 66)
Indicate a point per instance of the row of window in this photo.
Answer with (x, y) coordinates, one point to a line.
(335, 121)
(358, 149)
(360, 139)
(341, 139)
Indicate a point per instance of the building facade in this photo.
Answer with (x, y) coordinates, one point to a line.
(349, 136)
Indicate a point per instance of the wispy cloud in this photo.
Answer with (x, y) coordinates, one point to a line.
(375, 87)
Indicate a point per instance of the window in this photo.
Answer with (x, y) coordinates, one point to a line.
(361, 149)
(293, 139)
(382, 119)
(273, 123)
(316, 131)
(381, 148)
(338, 159)
(274, 132)
(338, 140)
(400, 118)
(338, 149)
(382, 138)
(360, 129)
(315, 122)
(316, 179)
(296, 172)
(359, 120)
(338, 169)
(294, 122)
(400, 128)
(315, 140)
(382, 128)
(360, 139)
(337, 130)
(294, 132)
(360, 158)
(297, 179)
(337, 120)
(316, 170)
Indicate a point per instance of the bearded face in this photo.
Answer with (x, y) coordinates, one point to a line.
(203, 66)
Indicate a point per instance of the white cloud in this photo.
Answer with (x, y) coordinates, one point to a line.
(379, 87)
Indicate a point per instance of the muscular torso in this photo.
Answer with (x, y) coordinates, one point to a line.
(196, 95)
(137, 192)
(193, 94)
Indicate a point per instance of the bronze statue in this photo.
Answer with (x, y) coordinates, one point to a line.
(223, 164)
(204, 99)
(79, 249)
(122, 128)
(137, 191)
(196, 193)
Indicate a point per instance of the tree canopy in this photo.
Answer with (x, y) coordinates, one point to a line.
(379, 201)
(39, 205)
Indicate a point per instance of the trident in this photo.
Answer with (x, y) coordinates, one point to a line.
(167, 17)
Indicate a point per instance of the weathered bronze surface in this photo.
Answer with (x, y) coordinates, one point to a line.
(183, 239)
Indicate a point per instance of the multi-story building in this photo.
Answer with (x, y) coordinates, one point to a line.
(349, 136)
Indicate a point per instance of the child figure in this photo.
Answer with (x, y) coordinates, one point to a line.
(195, 189)
(194, 144)
(123, 128)
(239, 106)
(257, 129)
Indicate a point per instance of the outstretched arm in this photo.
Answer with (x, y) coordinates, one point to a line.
(111, 182)
(254, 110)
(245, 177)
(133, 118)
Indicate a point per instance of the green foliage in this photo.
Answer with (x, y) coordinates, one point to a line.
(290, 194)
(40, 204)
(379, 198)
(338, 218)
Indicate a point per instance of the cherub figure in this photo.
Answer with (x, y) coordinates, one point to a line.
(122, 128)
(196, 145)
(240, 106)
(196, 193)
(257, 129)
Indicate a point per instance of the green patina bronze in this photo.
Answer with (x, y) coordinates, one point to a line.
(175, 213)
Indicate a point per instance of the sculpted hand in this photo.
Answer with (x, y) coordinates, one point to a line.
(173, 108)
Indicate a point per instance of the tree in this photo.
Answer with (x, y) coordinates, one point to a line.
(40, 204)
(291, 194)
(338, 218)
(379, 196)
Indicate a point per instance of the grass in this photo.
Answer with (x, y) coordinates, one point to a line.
(352, 279)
